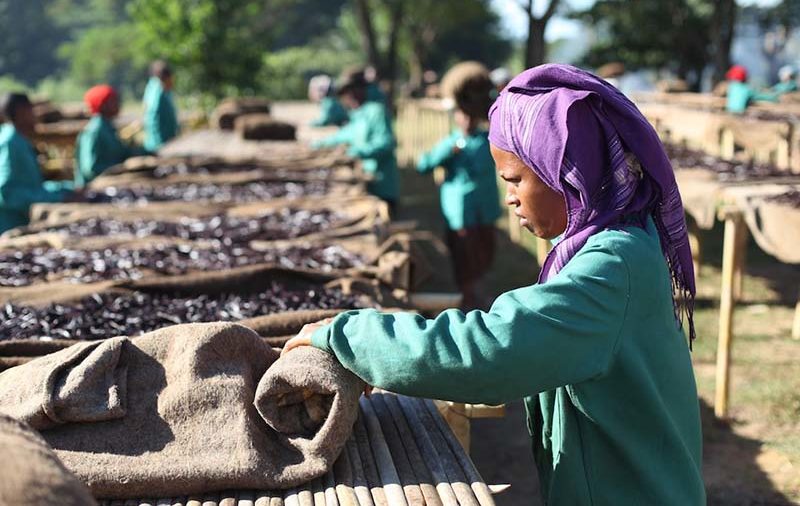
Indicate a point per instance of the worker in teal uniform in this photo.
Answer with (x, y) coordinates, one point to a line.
(787, 83)
(98, 146)
(740, 94)
(596, 347)
(320, 90)
(469, 200)
(21, 180)
(160, 115)
(368, 136)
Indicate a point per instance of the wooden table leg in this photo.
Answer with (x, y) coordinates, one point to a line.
(733, 228)
(741, 260)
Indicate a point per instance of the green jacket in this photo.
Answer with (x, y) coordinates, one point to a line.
(98, 147)
(369, 137)
(160, 116)
(741, 95)
(21, 181)
(611, 396)
(469, 194)
(785, 87)
(331, 113)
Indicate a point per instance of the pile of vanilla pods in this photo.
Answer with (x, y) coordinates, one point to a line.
(727, 170)
(106, 315)
(22, 268)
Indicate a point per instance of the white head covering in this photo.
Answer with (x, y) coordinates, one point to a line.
(787, 72)
(500, 76)
(319, 87)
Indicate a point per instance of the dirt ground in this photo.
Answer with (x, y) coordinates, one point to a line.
(751, 459)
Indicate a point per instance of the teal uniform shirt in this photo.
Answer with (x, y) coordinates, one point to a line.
(369, 137)
(469, 194)
(785, 87)
(21, 181)
(160, 116)
(741, 95)
(98, 147)
(375, 94)
(597, 353)
(331, 113)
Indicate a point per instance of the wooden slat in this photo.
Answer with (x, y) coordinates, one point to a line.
(443, 452)
(368, 462)
(390, 479)
(408, 480)
(360, 485)
(479, 487)
(418, 465)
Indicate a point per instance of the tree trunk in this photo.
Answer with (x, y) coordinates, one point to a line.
(368, 41)
(396, 15)
(536, 49)
(723, 26)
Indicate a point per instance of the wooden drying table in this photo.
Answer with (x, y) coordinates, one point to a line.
(738, 215)
(401, 453)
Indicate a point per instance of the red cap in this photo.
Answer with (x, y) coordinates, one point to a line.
(97, 96)
(736, 73)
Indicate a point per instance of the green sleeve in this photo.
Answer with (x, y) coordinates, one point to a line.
(164, 124)
(532, 340)
(342, 136)
(19, 195)
(380, 139)
(436, 157)
(766, 96)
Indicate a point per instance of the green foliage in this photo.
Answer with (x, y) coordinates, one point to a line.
(651, 34)
(28, 40)
(105, 54)
(217, 45)
(285, 73)
(9, 84)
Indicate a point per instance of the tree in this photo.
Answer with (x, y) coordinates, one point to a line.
(536, 48)
(670, 35)
(29, 40)
(216, 44)
(723, 24)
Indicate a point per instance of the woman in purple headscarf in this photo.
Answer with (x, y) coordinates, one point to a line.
(596, 348)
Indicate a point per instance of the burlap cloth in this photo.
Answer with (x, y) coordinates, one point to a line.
(186, 409)
(774, 226)
(32, 474)
(224, 115)
(262, 127)
(701, 193)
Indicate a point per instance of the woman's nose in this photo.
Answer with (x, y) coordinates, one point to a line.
(511, 199)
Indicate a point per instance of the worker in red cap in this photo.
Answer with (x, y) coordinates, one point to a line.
(740, 94)
(98, 146)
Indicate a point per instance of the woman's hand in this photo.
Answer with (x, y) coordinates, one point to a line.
(304, 339)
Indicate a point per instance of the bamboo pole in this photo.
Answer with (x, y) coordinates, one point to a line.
(733, 228)
(318, 492)
(247, 498)
(330, 489)
(390, 480)
(360, 485)
(741, 260)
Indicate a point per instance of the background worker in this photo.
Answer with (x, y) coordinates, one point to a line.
(160, 115)
(469, 196)
(320, 90)
(21, 180)
(787, 83)
(740, 95)
(98, 146)
(368, 136)
(596, 347)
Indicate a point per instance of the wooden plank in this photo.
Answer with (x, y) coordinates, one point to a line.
(429, 454)
(418, 464)
(443, 452)
(360, 485)
(408, 479)
(368, 462)
(246, 498)
(741, 261)
(479, 487)
(330, 489)
(390, 480)
(733, 227)
(343, 474)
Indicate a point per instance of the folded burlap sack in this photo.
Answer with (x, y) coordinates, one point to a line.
(263, 127)
(32, 474)
(186, 409)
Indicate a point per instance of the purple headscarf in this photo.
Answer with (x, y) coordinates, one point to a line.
(574, 130)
